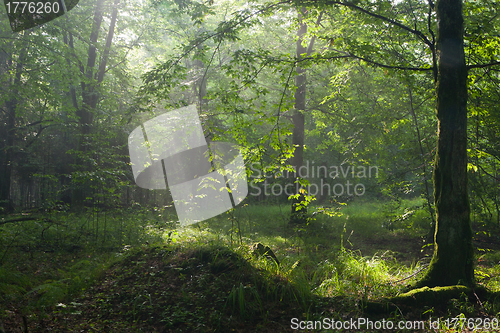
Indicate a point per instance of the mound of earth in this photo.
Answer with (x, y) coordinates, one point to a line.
(165, 289)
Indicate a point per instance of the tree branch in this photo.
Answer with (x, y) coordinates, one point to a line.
(422, 69)
(483, 65)
(220, 32)
(432, 47)
(350, 55)
(486, 172)
(386, 19)
(34, 124)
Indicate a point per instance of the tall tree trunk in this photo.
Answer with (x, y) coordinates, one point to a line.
(200, 85)
(298, 210)
(105, 55)
(298, 119)
(86, 111)
(7, 139)
(90, 94)
(452, 262)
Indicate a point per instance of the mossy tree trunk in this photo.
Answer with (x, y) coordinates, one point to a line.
(452, 262)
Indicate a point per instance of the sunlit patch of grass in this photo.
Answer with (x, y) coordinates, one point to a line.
(252, 221)
(370, 218)
(366, 277)
(311, 256)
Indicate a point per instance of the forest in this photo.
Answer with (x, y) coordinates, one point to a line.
(250, 166)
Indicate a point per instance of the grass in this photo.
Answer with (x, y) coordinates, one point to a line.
(134, 271)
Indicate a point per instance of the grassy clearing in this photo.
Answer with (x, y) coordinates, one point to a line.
(134, 271)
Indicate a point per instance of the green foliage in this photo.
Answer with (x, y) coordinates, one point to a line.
(406, 214)
(237, 61)
(12, 284)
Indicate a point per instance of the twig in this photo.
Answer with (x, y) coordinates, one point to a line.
(406, 278)
(480, 303)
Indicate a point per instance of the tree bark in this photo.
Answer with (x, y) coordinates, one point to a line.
(452, 262)
(7, 139)
(109, 40)
(298, 210)
(298, 120)
(90, 93)
(85, 113)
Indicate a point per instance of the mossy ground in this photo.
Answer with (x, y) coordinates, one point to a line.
(206, 279)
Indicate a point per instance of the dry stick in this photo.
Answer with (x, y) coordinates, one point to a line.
(238, 222)
(232, 231)
(25, 325)
(480, 303)
(406, 278)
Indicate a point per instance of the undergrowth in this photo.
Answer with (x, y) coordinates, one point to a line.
(136, 269)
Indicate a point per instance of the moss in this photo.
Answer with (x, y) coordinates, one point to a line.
(418, 297)
(452, 263)
(430, 296)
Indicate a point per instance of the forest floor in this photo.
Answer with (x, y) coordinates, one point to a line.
(207, 279)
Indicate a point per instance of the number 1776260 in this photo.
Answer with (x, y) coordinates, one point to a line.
(23, 7)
